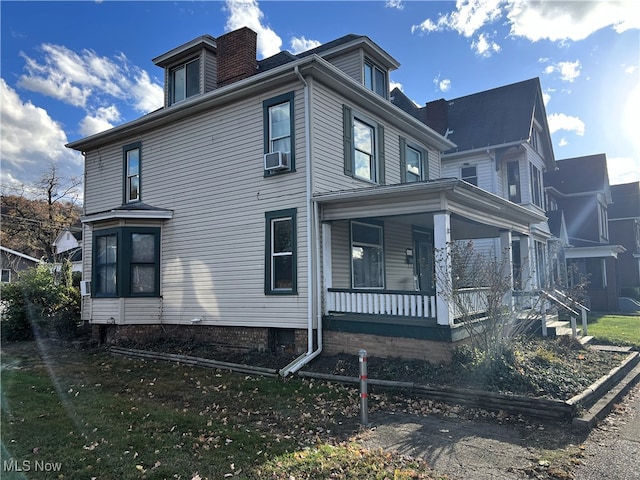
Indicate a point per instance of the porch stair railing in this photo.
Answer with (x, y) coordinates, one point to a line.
(547, 299)
(381, 302)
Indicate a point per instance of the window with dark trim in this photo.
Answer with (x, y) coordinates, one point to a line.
(126, 262)
(536, 185)
(513, 182)
(412, 162)
(278, 124)
(184, 81)
(375, 79)
(470, 174)
(132, 154)
(367, 255)
(363, 142)
(280, 253)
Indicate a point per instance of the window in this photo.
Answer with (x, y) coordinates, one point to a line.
(279, 129)
(132, 155)
(126, 262)
(363, 147)
(6, 275)
(412, 166)
(536, 185)
(375, 78)
(470, 174)
(604, 222)
(513, 182)
(280, 253)
(367, 258)
(184, 81)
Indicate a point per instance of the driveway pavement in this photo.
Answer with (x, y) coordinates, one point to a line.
(515, 449)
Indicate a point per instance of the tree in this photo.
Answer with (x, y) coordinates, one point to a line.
(33, 216)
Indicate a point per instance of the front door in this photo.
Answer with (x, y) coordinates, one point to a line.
(424, 267)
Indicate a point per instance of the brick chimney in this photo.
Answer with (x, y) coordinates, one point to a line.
(436, 115)
(236, 53)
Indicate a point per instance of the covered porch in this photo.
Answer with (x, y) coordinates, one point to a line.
(382, 246)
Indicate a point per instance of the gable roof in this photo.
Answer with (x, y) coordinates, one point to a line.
(21, 255)
(626, 201)
(580, 175)
(494, 117)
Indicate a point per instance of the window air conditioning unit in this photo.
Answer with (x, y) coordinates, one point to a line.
(275, 161)
(85, 288)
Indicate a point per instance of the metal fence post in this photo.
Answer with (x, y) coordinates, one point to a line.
(364, 395)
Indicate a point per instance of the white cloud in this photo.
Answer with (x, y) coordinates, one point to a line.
(442, 84)
(563, 142)
(630, 69)
(569, 20)
(247, 13)
(623, 170)
(393, 85)
(397, 4)
(102, 120)
(568, 71)
(469, 17)
(299, 45)
(561, 121)
(484, 46)
(30, 141)
(546, 96)
(82, 78)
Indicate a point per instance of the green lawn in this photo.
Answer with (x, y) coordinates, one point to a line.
(616, 329)
(70, 414)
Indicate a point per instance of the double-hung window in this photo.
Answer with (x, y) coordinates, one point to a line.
(132, 157)
(6, 275)
(367, 255)
(412, 162)
(470, 174)
(126, 262)
(513, 181)
(363, 141)
(375, 79)
(278, 118)
(184, 81)
(280, 253)
(536, 185)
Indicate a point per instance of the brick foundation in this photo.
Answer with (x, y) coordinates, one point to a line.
(388, 347)
(231, 338)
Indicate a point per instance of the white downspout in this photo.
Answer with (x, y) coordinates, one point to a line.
(313, 284)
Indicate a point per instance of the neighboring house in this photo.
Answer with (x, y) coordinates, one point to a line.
(68, 244)
(579, 188)
(624, 229)
(503, 146)
(13, 262)
(285, 201)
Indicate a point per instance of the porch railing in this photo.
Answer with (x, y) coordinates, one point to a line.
(381, 302)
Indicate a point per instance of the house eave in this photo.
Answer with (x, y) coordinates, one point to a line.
(596, 251)
(312, 65)
(116, 214)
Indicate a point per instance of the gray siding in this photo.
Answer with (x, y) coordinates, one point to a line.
(350, 63)
(209, 171)
(210, 70)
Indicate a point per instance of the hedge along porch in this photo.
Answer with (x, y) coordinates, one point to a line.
(379, 256)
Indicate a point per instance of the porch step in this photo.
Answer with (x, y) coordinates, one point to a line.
(586, 340)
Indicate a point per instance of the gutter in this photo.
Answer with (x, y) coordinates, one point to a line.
(313, 284)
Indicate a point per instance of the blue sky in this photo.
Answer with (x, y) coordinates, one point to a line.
(71, 69)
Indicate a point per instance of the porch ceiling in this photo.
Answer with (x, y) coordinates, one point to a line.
(481, 213)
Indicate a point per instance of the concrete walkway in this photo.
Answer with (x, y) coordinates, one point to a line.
(612, 451)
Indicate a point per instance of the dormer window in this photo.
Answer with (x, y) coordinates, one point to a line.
(184, 81)
(375, 78)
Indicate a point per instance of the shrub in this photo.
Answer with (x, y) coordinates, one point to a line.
(37, 304)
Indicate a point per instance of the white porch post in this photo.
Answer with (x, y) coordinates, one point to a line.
(527, 260)
(327, 278)
(507, 264)
(442, 246)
